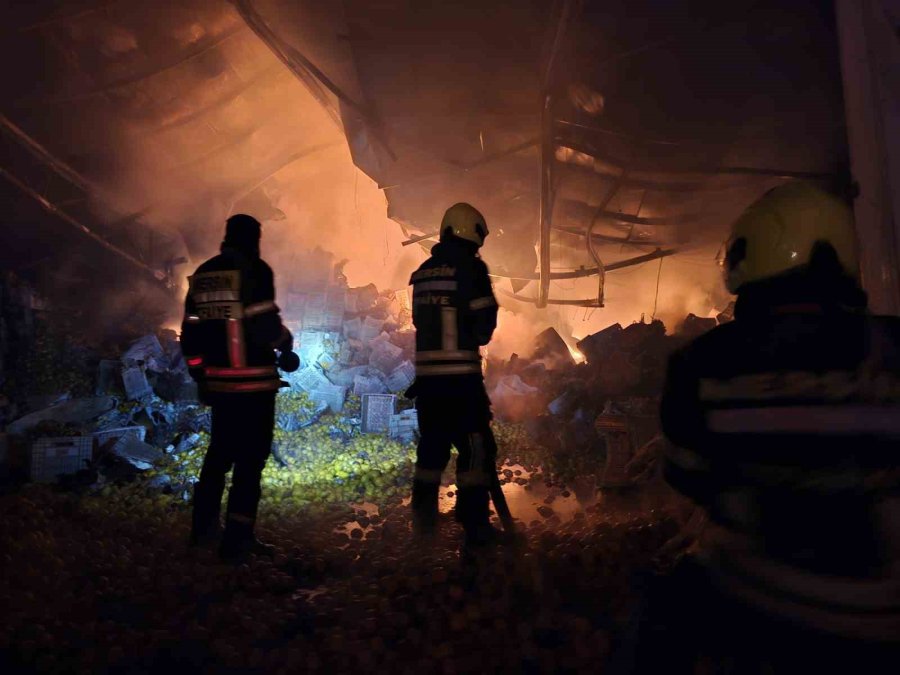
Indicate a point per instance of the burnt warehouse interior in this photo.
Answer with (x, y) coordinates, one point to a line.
(487, 336)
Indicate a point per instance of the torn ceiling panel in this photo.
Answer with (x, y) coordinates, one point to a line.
(177, 110)
(706, 106)
(182, 111)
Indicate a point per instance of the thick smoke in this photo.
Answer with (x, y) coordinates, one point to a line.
(188, 161)
(332, 206)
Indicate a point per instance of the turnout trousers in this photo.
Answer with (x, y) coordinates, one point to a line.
(462, 420)
(242, 427)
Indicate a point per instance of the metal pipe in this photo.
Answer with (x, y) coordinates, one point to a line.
(576, 208)
(591, 271)
(43, 155)
(62, 215)
(592, 151)
(606, 239)
(419, 237)
(548, 155)
(589, 237)
(588, 302)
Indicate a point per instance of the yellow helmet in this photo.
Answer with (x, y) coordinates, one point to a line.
(779, 231)
(466, 222)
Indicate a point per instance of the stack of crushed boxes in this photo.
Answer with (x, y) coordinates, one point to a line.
(353, 340)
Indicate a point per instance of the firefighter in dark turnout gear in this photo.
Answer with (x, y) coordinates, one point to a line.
(455, 313)
(785, 425)
(231, 331)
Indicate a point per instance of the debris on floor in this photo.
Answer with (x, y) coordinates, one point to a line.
(346, 589)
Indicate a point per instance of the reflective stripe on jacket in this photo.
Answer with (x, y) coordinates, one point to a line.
(454, 312)
(232, 325)
(785, 429)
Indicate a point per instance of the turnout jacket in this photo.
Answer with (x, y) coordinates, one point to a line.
(232, 325)
(785, 425)
(454, 312)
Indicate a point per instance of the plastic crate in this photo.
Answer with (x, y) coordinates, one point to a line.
(119, 432)
(136, 384)
(402, 377)
(331, 395)
(371, 329)
(405, 426)
(53, 457)
(377, 410)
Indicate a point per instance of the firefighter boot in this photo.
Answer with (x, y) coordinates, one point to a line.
(206, 527)
(424, 507)
(238, 541)
(473, 514)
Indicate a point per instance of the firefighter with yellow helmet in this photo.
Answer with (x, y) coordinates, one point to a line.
(455, 313)
(784, 426)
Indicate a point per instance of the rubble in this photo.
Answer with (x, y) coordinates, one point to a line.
(308, 379)
(45, 401)
(726, 314)
(297, 412)
(345, 377)
(188, 443)
(352, 343)
(560, 405)
(325, 466)
(174, 386)
(368, 383)
(136, 384)
(513, 398)
(74, 411)
(57, 456)
(695, 326)
(402, 377)
(136, 452)
(107, 438)
(370, 329)
(552, 350)
(405, 426)
(385, 356)
(353, 328)
(596, 347)
(147, 351)
(329, 394)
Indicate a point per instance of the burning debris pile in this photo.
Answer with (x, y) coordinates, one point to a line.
(343, 430)
(594, 422)
(345, 591)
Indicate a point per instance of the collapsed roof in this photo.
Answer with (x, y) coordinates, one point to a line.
(647, 124)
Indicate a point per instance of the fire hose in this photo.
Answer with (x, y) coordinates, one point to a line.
(499, 499)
